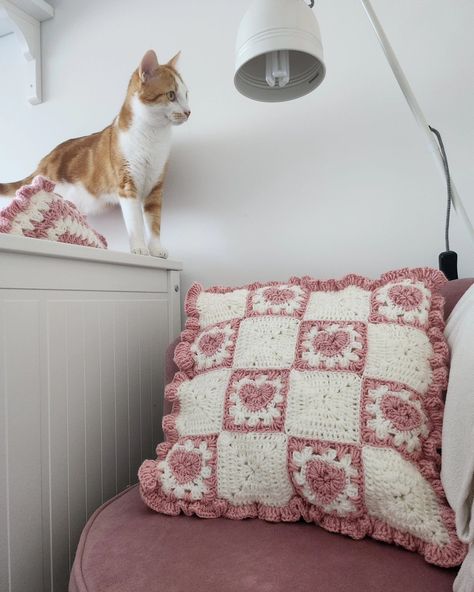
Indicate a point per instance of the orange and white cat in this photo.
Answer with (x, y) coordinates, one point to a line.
(126, 162)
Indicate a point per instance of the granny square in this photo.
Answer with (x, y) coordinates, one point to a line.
(324, 405)
(188, 471)
(332, 345)
(266, 342)
(349, 304)
(394, 415)
(252, 470)
(256, 401)
(212, 348)
(278, 299)
(315, 400)
(401, 353)
(327, 475)
(216, 308)
(201, 402)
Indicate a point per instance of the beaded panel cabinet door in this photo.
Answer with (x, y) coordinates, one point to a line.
(84, 335)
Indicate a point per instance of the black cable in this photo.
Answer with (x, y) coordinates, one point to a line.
(448, 183)
(448, 259)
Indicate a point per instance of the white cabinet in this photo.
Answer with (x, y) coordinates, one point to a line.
(83, 335)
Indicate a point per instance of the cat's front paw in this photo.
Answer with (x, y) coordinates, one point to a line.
(156, 250)
(139, 249)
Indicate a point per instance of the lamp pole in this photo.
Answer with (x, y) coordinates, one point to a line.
(415, 109)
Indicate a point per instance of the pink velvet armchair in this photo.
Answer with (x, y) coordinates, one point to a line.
(125, 547)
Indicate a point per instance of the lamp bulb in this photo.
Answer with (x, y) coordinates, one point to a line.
(277, 68)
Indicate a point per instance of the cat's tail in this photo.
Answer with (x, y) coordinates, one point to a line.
(9, 189)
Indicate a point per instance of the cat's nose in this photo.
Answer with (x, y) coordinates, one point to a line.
(187, 113)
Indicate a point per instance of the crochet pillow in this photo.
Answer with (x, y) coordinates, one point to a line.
(312, 399)
(37, 212)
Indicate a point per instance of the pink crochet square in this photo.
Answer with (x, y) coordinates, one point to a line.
(38, 212)
(405, 301)
(395, 415)
(312, 399)
(329, 476)
(278, 299)
(209, 349)
(256, 401)
(187, 472)
(332, 345)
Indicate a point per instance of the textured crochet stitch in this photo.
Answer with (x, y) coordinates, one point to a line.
(38, 212)
(312, 399)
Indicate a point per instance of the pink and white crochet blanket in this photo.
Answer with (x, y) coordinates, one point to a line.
(38, 212)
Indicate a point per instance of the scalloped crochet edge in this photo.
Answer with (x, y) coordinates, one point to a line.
(448, 555)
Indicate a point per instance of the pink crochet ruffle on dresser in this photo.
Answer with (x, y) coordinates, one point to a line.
(312, 399)
(38, 212)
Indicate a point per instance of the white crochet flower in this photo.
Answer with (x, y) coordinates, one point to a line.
(333, 346)
(184, 471)
(406, 299)
(256, 400)
(395, 414)
(325, 481)
(278, 299)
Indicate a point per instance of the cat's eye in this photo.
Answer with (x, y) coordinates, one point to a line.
(171, 95)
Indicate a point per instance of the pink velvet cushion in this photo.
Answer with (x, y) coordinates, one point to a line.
(128, 548)
(38, 212)
(312, 399)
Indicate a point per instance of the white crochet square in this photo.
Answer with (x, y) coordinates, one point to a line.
(324, 405)
(201, 403)
(253, 468)
(266, 342)
(397, 493)
(400, 353)
(215, 308)
(350, 304)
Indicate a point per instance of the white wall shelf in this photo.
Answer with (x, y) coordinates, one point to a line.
(23, 18)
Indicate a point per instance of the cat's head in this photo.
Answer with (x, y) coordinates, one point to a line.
(161, 90)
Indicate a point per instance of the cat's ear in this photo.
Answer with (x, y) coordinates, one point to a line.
(174, 60)
(148, 65)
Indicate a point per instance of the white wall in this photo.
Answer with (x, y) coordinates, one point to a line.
(339, 181)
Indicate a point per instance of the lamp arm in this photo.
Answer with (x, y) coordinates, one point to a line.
(415, 109)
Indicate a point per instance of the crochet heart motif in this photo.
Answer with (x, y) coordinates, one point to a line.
(331, 344)
(406, 297)
(402, 415)
(325, 480)
(278, 295)
(210, 344)
(185, 465)
(256, 397)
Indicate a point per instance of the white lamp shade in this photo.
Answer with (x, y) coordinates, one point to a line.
(272, 25)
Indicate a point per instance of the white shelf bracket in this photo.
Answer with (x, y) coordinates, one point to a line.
(27, 30)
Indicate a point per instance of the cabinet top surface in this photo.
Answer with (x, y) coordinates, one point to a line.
(10, 244)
